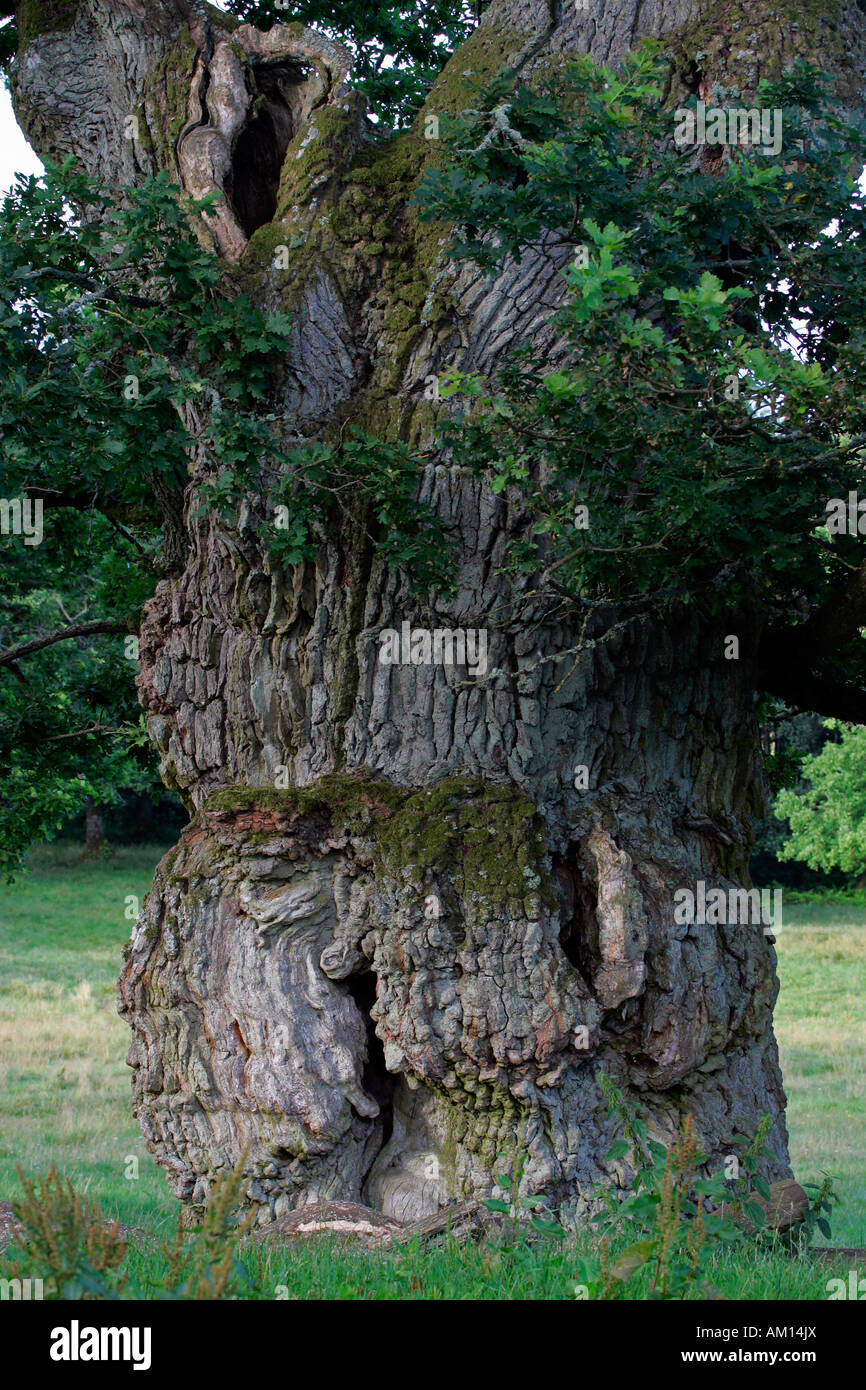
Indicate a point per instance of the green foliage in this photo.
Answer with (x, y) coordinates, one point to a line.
(360, 482)
(65, 1241)
(829, 897)
(709, 396)
(823, 1198)
(374, 485)
(671, 1222)
(70, 725)
(113, 329)
(398, 51)
(125, 350)
(523, 1214)
(828, 816)
(115, 323)
(207, 1266)
(124, 337)
(750, 1154)
(783, 768)
(786, 739)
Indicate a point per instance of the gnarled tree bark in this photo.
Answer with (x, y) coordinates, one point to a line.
(422, 954)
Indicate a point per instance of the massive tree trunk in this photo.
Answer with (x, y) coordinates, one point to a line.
(421, 955)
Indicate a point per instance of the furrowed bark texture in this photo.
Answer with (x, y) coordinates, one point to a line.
(421, 955)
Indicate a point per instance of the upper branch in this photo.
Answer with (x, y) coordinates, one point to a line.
(37, 644)
(808, 693)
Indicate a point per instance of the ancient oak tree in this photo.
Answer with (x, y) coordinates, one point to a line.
(402, 935)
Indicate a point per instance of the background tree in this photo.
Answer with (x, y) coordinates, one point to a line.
(828, 815)
(786, 740)
(418, 910)
(106, 463)
(69, 724)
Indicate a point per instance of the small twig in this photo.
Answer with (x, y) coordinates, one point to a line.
(95, 728)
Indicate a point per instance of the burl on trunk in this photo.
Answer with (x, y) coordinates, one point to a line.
(398, 940)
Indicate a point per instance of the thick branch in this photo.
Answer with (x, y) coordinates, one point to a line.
(127, 513)
(37, 644)
(813, 694)
(835, 623)
(83, 72)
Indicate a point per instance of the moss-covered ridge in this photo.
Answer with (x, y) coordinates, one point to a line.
(345, 206)
(165, 101)
(35, 17)
(487, 838)
(733, 47)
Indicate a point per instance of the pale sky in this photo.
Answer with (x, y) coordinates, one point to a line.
(16, 156)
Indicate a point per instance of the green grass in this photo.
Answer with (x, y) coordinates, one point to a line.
(821, 1027)
(330, 1269)
(65, 1095)
(65, 1090)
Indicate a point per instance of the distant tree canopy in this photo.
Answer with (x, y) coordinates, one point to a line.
(70, 727)
(828, 816)
(95, 378)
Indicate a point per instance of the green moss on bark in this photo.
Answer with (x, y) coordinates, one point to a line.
(489, 840)
(313, 157)
(220, 19)
(347, 797)
(480, 58)
(723, 42)
(35, 17)
(344, 208)
(165, 99)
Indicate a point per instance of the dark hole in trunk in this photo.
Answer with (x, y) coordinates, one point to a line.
(693, 78)
(578, 935)
(377, 1081)
(260, 148)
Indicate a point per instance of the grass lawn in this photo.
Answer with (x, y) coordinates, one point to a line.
(821, 1027)
(65, 1092)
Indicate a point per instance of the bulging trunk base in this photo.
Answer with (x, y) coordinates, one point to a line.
(369, 990)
